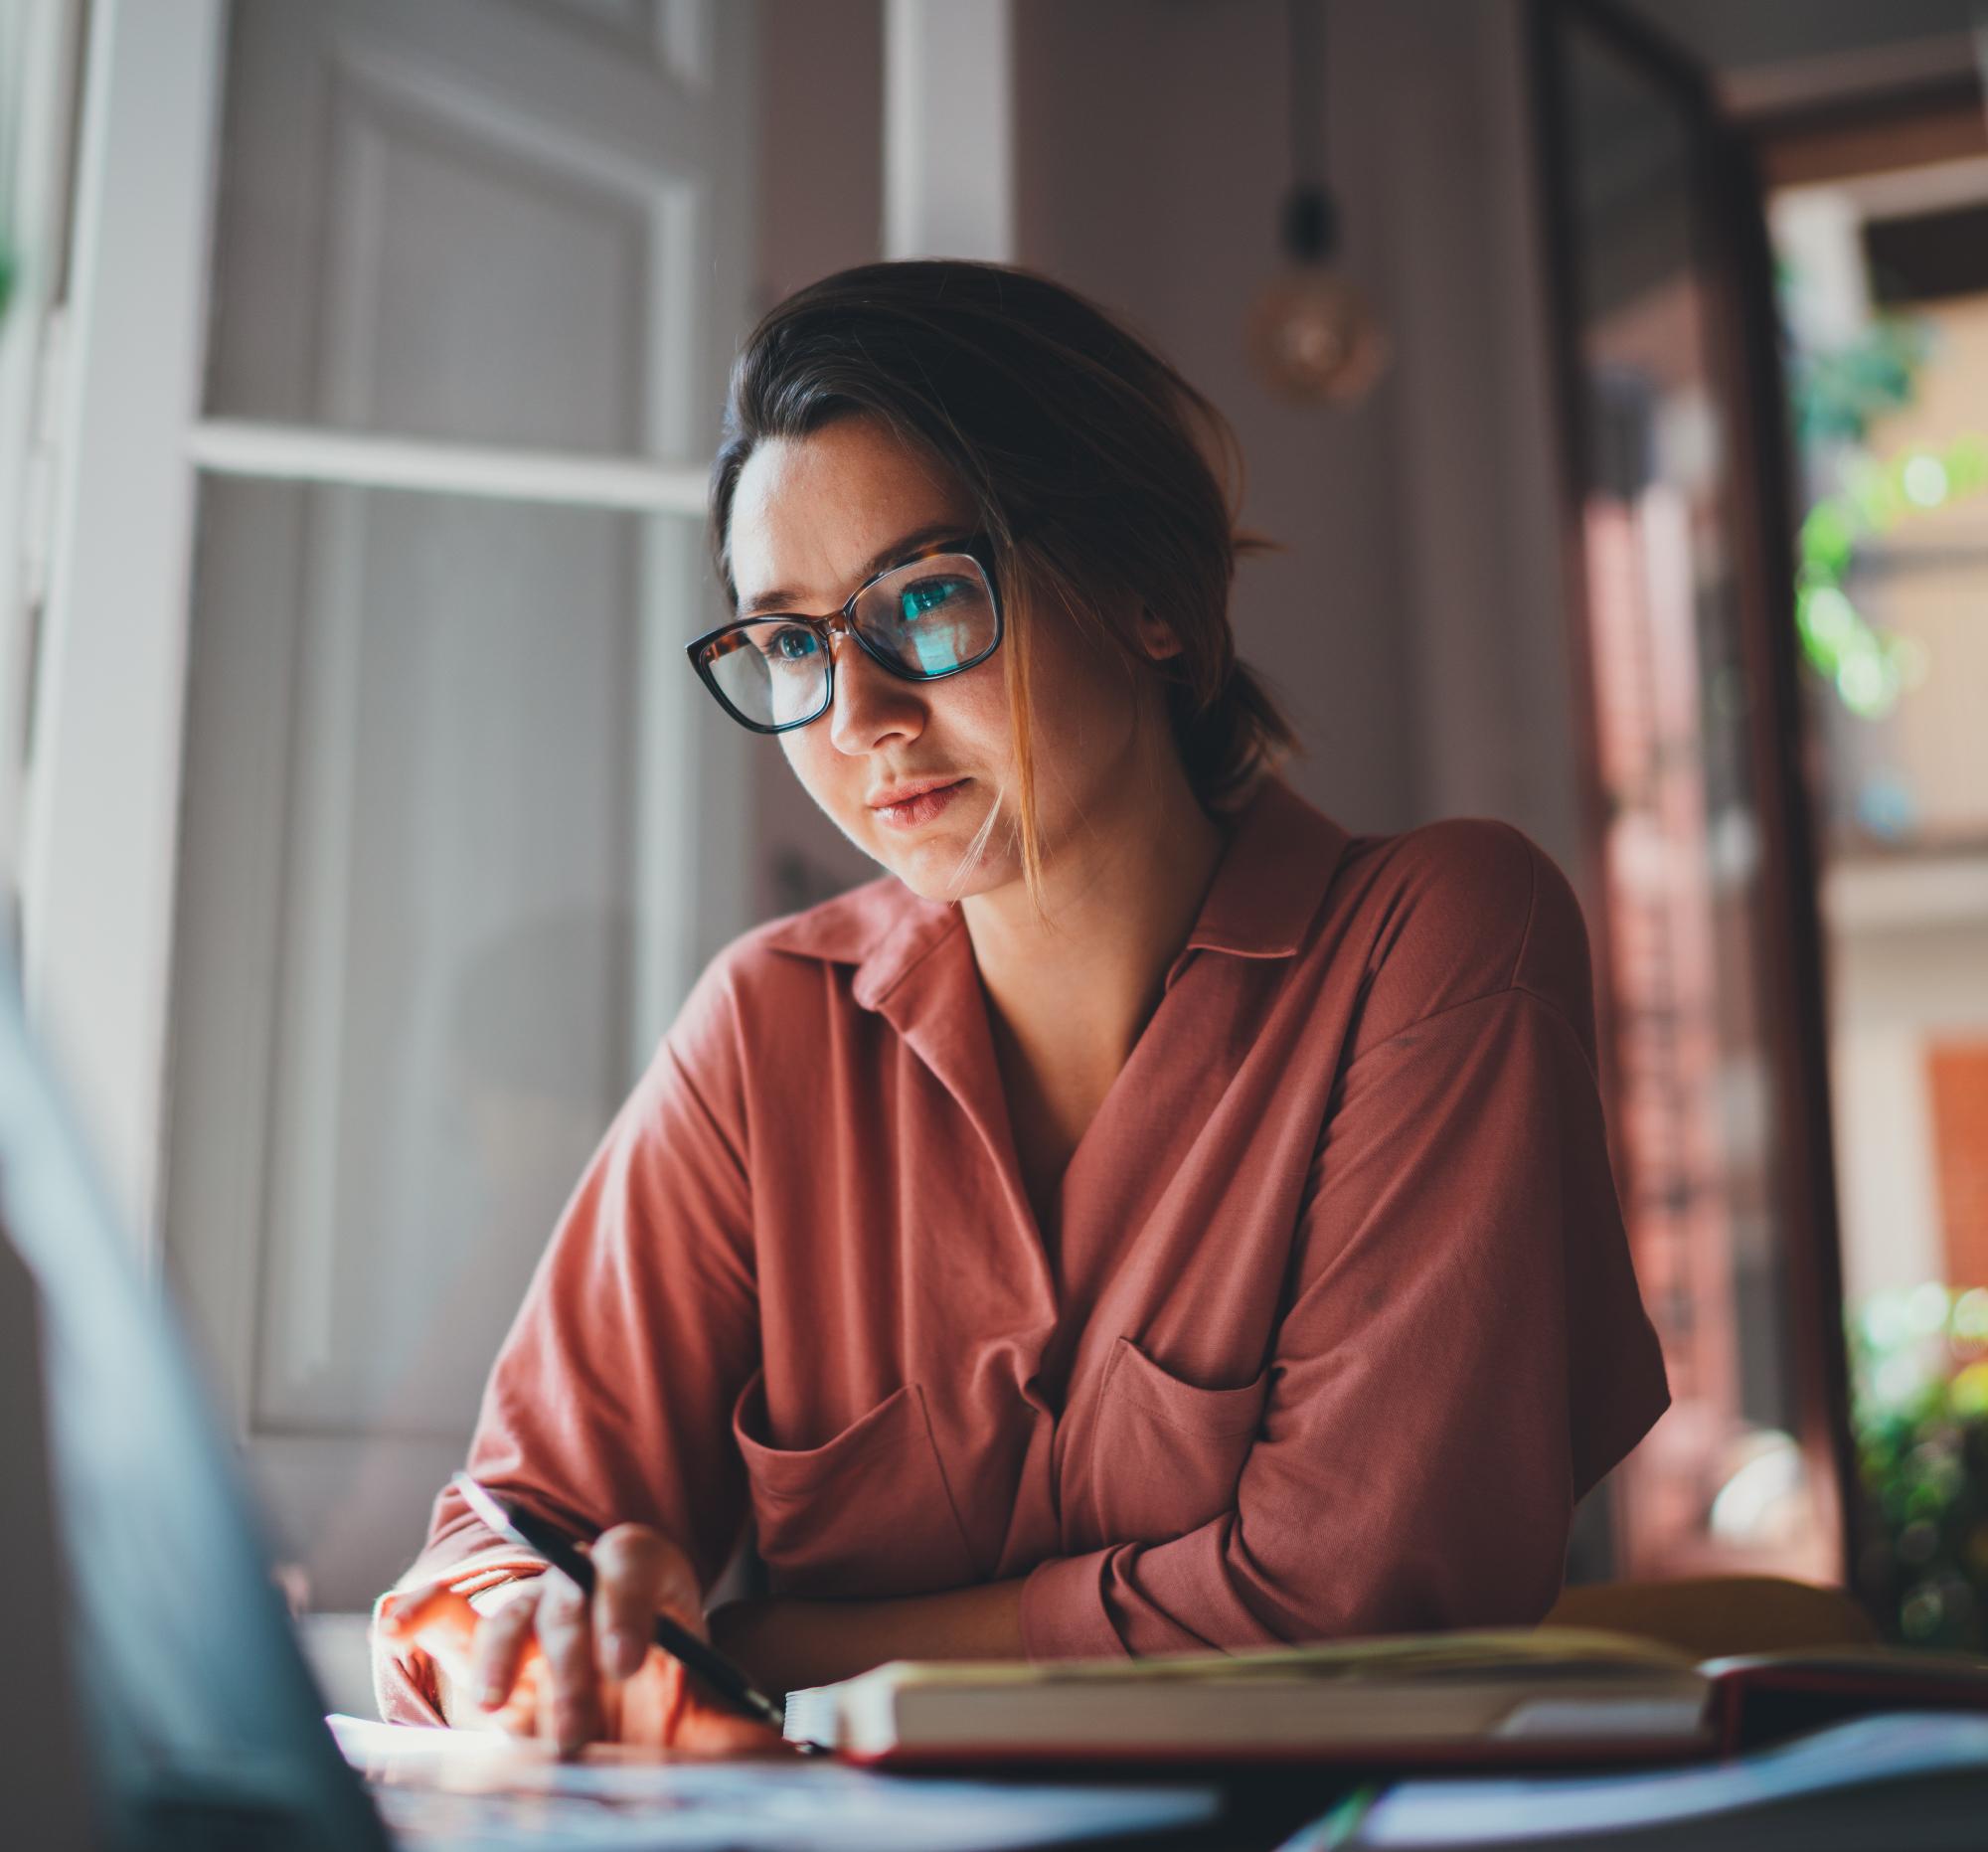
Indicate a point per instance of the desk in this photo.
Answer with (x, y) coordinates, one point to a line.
(1902, 1781)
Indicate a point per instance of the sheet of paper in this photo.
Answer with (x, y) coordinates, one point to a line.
(446, 1787)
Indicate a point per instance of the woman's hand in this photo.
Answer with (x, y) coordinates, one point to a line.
(548, 1662)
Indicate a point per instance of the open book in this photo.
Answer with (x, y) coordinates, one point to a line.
(1541, 1697)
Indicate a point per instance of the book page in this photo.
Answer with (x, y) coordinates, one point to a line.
(1529, 1653)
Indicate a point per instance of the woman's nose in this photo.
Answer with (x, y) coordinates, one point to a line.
(870, 704)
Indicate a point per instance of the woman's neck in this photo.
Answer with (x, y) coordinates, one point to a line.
(1120, 899)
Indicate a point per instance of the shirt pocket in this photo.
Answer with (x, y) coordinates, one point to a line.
(1167, 1453)
(866, 1513)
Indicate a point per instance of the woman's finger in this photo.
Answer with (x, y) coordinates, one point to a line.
(441, 1624)
(566, 1638)
(436, 1619)
(563, 1703)
(520, 1715)
(638, 1572)
(499, 1648)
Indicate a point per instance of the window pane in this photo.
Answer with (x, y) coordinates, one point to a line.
(416, 965)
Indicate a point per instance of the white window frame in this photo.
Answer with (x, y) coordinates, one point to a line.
(100, 802)
(99, 823)
(39, 55)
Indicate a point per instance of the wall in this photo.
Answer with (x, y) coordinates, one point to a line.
(1414, 624)
(1151, 166)
(821, 140)
(821, 162)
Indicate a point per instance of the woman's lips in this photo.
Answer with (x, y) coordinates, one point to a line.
(918, 810)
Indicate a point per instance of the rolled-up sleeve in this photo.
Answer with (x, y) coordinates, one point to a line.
(610, 1400)
(1463, 1354)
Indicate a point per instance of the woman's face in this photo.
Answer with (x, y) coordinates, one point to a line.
(808, 516)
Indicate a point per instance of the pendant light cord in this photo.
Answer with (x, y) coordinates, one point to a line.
(1306, 39)
(1310, 226)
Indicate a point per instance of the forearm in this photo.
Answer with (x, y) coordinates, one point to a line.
(786, 1643)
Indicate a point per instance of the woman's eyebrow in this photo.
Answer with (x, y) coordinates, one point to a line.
(785, 601)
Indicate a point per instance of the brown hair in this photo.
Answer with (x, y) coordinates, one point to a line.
(1101, 475)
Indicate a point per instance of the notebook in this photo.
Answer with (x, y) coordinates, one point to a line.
(1543, 1697)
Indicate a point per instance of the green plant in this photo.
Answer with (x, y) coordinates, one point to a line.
(1920, 1411)
(1869, 668)
(1837, 392)
(1834, 395)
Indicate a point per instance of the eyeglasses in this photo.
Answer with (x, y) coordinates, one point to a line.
(933, 614)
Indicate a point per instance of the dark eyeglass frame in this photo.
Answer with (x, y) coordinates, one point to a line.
(978, 547)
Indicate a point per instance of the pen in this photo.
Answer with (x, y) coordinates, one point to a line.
(710, 1665)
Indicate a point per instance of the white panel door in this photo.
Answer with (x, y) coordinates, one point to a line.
(459, 825)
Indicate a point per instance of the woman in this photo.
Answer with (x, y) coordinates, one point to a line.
(1147, 1218)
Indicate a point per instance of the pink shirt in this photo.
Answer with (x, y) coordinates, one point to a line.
(1338, 1324)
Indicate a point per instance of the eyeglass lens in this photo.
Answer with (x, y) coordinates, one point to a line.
(930, 618)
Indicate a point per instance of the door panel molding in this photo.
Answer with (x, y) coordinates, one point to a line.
(102, 799)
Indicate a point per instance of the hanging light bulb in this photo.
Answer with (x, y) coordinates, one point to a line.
(1312, 336)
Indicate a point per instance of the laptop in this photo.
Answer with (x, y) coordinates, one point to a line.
(152, 1691)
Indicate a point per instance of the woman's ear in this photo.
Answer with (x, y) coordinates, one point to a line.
(1156, 638)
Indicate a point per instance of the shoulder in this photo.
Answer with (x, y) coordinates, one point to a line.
(779, 975)
(1459, 911)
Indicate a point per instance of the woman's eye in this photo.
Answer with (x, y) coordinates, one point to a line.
(790, 645)
(927, 596)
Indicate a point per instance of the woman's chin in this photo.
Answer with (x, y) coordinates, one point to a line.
(932, 868)
(929, 876)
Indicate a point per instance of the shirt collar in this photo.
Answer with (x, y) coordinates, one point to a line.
(1273, 877)
(1277, 863)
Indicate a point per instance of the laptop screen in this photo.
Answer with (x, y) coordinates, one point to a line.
(200, 1722)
